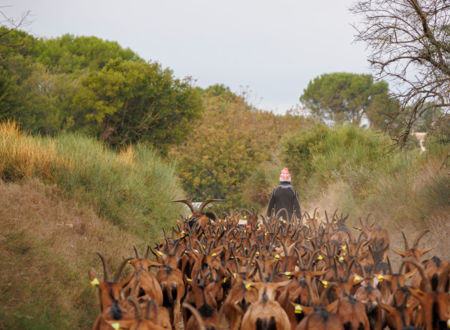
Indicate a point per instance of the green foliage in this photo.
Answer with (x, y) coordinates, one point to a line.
(70, 54)
(320, 155)
(345, 97)
(94, 86)
(227, 145)
(132, 189)
(438, 137)
(127, 102)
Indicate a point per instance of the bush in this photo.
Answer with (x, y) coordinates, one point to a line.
(132, 189)
(320, 155)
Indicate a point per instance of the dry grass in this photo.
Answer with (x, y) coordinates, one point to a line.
(47, 245)
(411, 201)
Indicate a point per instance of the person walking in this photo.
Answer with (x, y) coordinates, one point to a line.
(284, 197)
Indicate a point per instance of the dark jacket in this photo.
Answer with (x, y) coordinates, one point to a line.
(284, 196)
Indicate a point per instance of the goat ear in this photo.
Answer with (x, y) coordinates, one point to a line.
(408, 275)
(422, 252)
(151, 263)
(388, 308)
(400, 252)
(304, 309)
(332, 308)
(419, 294)
(122, 324)
(91, 275)
(126, 280)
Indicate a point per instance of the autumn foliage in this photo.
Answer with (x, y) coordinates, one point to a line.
(224, 149)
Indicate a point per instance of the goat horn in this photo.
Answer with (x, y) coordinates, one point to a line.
(418, 238)
(136, 251)
(106, 275)
(300, 260)
(260, 271)
(137, 308)
(146, 252)
(406, 241)
(194, 311)
(390, 266)
(443, 279)
(119, 270)
(185, 201)
(150, 302)
(421, 270)
(202, 205)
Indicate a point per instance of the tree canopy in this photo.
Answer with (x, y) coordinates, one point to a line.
(92, 85)
(344, 97)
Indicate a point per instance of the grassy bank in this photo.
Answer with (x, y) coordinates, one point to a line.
(63, 199)
(131, 189)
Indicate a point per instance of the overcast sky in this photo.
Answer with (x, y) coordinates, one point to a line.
(270, 48)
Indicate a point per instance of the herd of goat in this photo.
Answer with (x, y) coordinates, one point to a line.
(309, 273)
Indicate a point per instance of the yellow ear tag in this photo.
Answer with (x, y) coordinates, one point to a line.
(325, 284)
(224, 280)
(319, 257)
(245, 217)
(214, 254)
(116, 326)
(298, 309)
(159, 253)
(265, 234)
(356, 279)
(288, 274)
(344, 247)
(248, 286)
(308, 239)
(341, 259)
(182, 233)
(188, 279)
(277, 256)
(94, 282)
(380, 278)
(256, 253)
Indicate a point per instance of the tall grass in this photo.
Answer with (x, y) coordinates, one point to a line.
(132, 189)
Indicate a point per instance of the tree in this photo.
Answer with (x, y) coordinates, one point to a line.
(409, 43)
(127, 102)
(342, 97)
(70, 54)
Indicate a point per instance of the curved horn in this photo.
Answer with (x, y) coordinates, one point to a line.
(418, 238)
(302, 266)
(198, 318)
(260, 271)
(202, 205)
(443, 279)
(284, 248)
(106, 275)
(146, 252)
(119, 270)
(421, 270)
(405, 240)
(137, 308)
(185, 201)
(136, 251)
(285, 212)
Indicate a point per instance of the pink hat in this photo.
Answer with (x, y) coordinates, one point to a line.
(285, 176)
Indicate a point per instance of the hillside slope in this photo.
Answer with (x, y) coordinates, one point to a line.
(47, 245)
